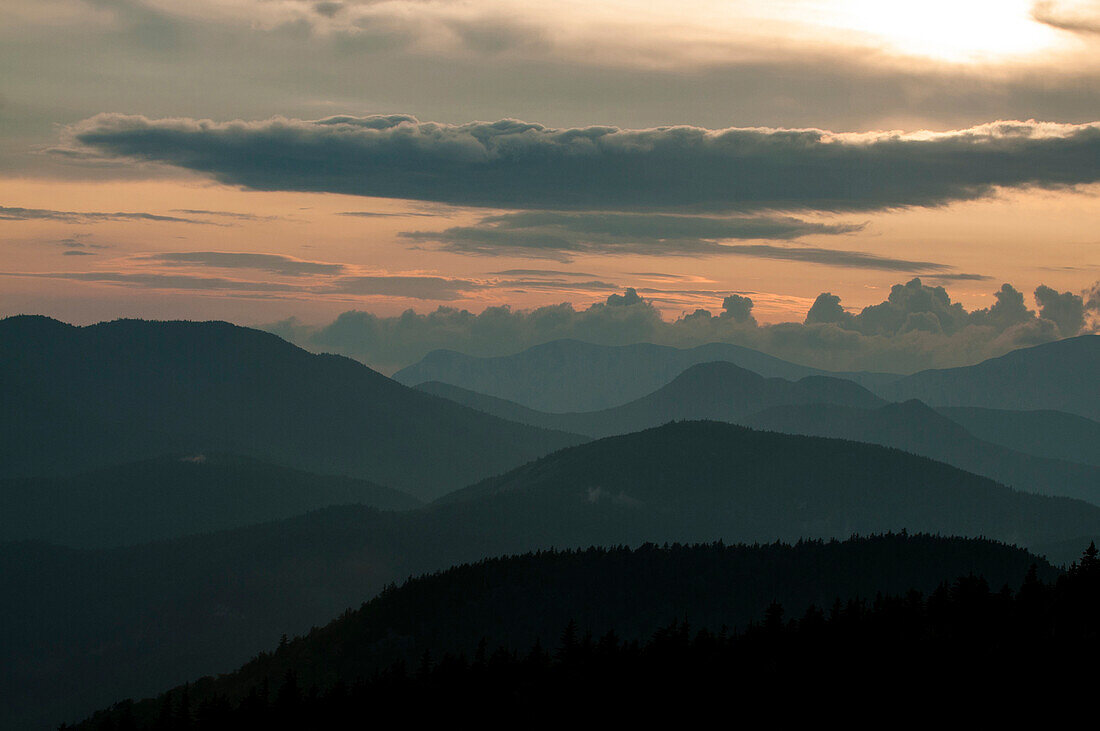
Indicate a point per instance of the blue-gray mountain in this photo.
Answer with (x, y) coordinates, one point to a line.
(570, 375)
(828, 407)
(1061, 376)
(719, 391)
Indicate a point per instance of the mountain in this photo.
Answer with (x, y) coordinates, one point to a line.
(78, 398)
(569, 375)
(707, 480)
(85, 627)
(172, 496)
(718, 391)
(963, 640)
(1060, 376)
(916, 428)
(1053, 434)
(516, 601)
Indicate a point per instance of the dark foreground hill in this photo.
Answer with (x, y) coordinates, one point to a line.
(959, 651)
(87, 627)
(173, 496)
(718, 391)
(570, 375)
(516, 602)
(916, 428)
(1060, 376)
(77, 398)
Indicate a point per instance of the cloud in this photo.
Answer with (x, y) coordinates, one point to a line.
(1076, 17)
(151, 280)
(417, 287)
(1065, 309)
(225, 214)
(915, 306)
(540, 273)
(275, 263)
(560, 236)
(9, 213)
(916, 327)
(516, 164)
(373, 214)
(413, 287)
(480, 242)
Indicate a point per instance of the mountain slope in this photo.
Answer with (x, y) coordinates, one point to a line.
(172, 496)
(569, 375)
(916, 428)
(518, 600)
(719, 391)
(1059, 376)
(74, 398)
(1053, 434)
(106, 624)
(708, 480)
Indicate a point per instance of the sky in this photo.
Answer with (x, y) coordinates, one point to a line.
(282, 163)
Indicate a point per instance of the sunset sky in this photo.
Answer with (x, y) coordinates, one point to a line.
(259, 160)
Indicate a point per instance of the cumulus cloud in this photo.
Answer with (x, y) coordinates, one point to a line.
(738, 309)
(917, 326)
(915, 306)
(516, 164)
(1065, 309)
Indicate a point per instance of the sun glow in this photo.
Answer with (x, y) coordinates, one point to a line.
(952, 30)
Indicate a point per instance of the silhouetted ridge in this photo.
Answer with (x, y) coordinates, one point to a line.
(917, 428)
(173, 496)
(72, 399)
(1060, 375)
(584, 609)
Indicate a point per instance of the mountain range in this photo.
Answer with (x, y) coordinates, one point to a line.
(78, 398)
(719, 391)
(86, 627)
(1059, 376)
(570, 375)
(831, 407)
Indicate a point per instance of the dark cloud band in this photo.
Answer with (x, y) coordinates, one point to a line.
(560, 236)
(514, 164)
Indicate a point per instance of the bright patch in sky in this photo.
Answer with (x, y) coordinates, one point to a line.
(951, 30)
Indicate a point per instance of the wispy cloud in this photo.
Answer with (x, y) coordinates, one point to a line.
(12, 213)
(275, 263)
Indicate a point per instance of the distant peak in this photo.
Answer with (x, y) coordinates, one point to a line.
(717, 369)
